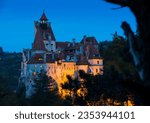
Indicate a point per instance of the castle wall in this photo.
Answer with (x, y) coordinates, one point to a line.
(96, 61)
(82, 67)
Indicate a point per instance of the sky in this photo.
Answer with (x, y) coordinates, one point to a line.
(69, 19)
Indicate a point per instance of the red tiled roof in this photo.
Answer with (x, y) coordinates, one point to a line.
(43, 17)
(37, 59)
(49, 58)
(62, 45)
(38, 41)
(88, 40)
(82, 60)
(49, 31)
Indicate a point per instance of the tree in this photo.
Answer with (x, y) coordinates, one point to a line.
(1, 51)
(138, 45)
(92, 84)
(43, 96)
(72, 85)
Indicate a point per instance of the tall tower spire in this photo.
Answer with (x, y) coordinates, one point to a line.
(43, 17)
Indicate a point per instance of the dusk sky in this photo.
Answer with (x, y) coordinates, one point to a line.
(69, 19)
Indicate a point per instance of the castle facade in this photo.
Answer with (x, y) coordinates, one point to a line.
(58, 59)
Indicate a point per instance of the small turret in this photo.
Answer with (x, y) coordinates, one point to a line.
(43, 18)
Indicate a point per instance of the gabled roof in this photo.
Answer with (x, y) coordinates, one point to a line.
(49, 58)
(82, 60)
(43, 17)
(38, 41)
(48, 31)
(37, 59)
(62, 45)
(89, 40)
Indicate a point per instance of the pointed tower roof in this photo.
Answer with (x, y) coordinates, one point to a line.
(43, 17)
(38, 41)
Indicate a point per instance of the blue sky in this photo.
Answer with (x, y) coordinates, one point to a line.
(69, 19)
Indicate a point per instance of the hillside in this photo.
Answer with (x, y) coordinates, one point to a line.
(10, 69)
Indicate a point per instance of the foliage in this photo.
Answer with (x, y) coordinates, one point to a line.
(43, 96)
(9, 74)
(10, 65)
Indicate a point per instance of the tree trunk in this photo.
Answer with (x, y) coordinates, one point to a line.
(139, 46)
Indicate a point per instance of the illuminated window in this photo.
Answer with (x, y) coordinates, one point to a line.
(40, 59)
(96, 70)
(34, 73)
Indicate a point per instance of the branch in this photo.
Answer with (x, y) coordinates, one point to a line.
(118, 8)
(133, 5)
(122, 3)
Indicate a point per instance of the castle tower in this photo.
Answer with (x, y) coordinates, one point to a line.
(44, 36)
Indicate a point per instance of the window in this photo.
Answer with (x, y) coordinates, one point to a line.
(34, 73)
(96, 70)
(40, 59)
(98, 62)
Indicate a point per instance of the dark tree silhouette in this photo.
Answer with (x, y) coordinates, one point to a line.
(139, 45)
(43, 96)
(72, 85)
(1, 51)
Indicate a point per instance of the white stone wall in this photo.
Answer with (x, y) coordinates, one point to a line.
(82, 67)
(96, 61)
(96, 69)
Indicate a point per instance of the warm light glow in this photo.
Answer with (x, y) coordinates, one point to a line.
(40, 59)
(34, 73)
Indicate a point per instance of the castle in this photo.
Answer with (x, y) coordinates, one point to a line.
(58, 59)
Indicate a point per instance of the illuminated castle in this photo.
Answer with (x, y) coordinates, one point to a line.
(58, 59)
